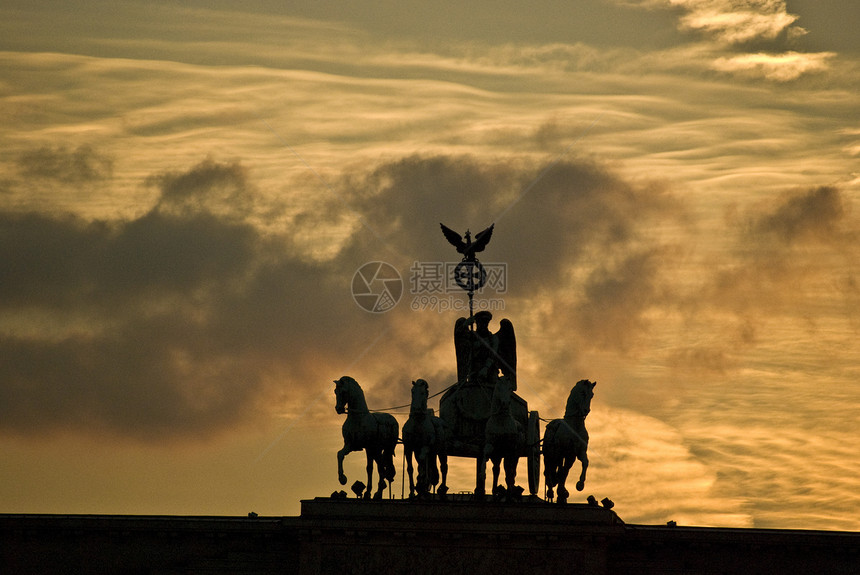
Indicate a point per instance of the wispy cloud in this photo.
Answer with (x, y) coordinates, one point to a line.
(783, 67)
(731, 26)
(729, 21)
(737, 22)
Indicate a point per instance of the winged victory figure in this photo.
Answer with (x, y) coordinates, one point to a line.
(482, 354)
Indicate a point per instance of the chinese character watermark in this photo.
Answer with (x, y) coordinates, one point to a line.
(377, 287)
(453, 277)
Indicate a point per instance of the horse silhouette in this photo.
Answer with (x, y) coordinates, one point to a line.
(566, 440)
(424, 437)
(504, 439)
(375, 433)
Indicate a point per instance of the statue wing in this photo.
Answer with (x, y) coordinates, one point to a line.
(462, 348)
(508, 350)
(482, 239)
(454, 238)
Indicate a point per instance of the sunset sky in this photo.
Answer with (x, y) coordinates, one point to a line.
(188, 189)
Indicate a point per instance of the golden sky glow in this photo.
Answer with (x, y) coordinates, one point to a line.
(186, 193)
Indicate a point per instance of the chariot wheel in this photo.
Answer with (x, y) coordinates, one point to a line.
(533, 451)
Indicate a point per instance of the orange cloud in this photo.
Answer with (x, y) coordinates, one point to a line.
(778, 67)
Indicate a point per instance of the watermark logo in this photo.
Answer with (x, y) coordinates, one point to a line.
(435, 286)
(377, 287)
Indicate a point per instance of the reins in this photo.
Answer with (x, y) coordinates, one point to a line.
(391, 409)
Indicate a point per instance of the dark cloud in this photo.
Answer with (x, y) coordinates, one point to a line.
(144, 381)
(617, 297)
(174, 323)
(781, 245)
(547, 219)
(808, 216)
(789, 257)
(209, 187)
(82, 164)
(405, 200)
(584, 269)
(189, 319)
(47, 261)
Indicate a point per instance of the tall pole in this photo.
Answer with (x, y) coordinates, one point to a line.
(471, 309)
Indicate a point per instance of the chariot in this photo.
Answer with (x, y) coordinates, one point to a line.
(465, 409)
(471, 407)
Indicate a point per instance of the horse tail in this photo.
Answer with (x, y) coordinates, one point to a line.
(395, 434)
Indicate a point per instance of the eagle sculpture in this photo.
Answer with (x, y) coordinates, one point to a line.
(466, 246)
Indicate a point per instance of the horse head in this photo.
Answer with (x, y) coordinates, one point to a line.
(342, 392)
(579, 400)
(502, 391)
(420, 393)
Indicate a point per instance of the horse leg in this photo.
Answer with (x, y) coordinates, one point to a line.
(380, 469)
(340, 455)
(563, 469)
(550, 495)
(379, 457)
(550, 459)
(421, 457)
(369, 469)
(491, 457)
(389, 455)
(549, 466)
(497, 462)
(511, 462)
(432, 468)
(443, 469)
(580, 485)
(481, 471)
(407, 453)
